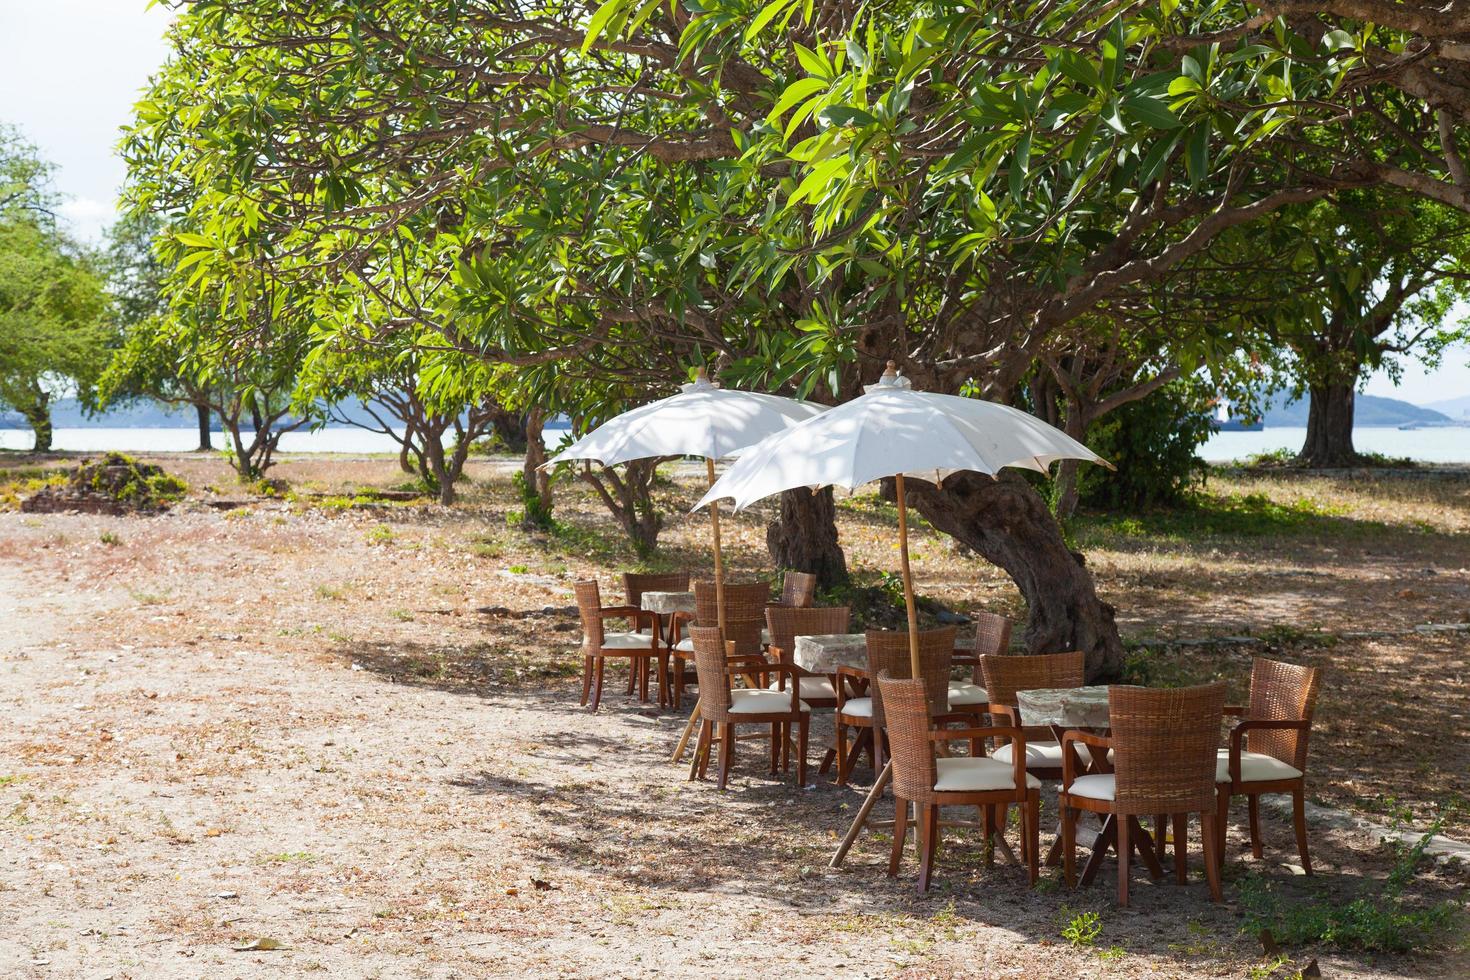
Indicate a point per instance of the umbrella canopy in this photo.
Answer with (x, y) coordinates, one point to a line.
(892, 430)
(702, 420)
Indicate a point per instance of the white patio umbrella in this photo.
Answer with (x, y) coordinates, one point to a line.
(892, 430)
(702, 420)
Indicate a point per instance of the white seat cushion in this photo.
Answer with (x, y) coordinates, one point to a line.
(685, 645)
(967, 775)
(1039, 755)
(858, 707)
(962, 693)
(626, 641)
(1098, 786)
(1254, 768)
(817, 688)
(766, 637)
(743, 702)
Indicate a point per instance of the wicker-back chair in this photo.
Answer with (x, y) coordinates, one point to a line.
(1164, 744)
(992, 637)
(745, 621)
(598, 643)
(637, 583)
(798, 590)
(785, 624)
(930, 783)
(1005, 675)
(723, 708)
(888, 650)
(1268, 748)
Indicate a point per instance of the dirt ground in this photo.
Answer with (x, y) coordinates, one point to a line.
(291, 724)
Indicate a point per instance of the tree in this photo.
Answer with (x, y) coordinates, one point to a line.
(803, 192)
(54, 331)
(140, 366)
(1363, 279)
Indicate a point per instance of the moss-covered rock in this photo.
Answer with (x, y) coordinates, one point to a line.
(115, 484)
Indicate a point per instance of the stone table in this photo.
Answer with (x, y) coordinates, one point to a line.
(667, 603)
(824, 653)
(1065, 707)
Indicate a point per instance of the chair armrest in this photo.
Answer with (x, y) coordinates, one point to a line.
(855, 674)
(1069, 755)
(1009, 712)
(787, 670)
(1238, 733)
(637, 615)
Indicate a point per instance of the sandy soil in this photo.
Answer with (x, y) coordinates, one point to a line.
(292, 725)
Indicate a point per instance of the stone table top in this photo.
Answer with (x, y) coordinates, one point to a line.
(824, 653)
(1067, 707)
(665, 603)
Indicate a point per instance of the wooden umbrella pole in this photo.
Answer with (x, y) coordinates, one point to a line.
(908, 580)
(861, 820)
(714, 520)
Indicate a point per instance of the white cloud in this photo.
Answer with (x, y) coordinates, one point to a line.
(87, 218)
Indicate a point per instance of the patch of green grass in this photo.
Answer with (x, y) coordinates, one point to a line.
(109, 539)
(382, 534)
(519, 569)
(1206, 515)
(403, 615)
(1082, 928)
(7, 780)
(1381, 919)
(287, 857)
(335, 592)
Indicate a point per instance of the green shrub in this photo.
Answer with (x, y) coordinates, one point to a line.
(1380, 920)
(1154, 444)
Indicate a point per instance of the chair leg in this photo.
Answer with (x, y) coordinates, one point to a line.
(1181, 848)
(1222, 819)
(930, 844)
(663, 680)
(1031, 834)
(727, 752)
(900, 828)
(803, 734)
(1253, 804)
(1299, 821)
(1125, 851)
(987, 831)
(586, 679)
(839, 746)
(1161, 847)
(775, 747)
(597, 682)
(786, 747)
(1069, 844)
(1212, 860)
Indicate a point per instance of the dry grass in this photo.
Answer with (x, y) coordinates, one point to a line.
(303, 707)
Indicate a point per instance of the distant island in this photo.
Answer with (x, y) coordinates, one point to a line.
(1368, 411)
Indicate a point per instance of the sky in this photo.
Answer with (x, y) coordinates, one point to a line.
(73, 107)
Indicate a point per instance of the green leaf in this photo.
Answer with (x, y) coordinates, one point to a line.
(599, 22)
(798, 90)
(1152, 112)
(768, 13)
(846, 115)
(1111, 116)
(1197, 158)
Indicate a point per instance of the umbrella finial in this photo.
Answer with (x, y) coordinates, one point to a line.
(701, 381)
(891, 379)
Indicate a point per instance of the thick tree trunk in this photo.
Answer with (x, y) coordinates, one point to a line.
(1329, 426)
(535, 481)
(804, 537)
(511, 429)
(1008, 524)
(40, 422)
(205, 442)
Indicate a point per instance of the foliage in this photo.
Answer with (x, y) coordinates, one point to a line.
(1153, 442)
(1382, 919)
(534, 512)
(1082, 929)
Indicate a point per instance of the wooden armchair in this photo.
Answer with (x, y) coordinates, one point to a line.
(1164, 746)
(798, 590)
(785, 625)
(745, 622)
(1268, 748)
(991, 639)
(888, 650)
(634, 585)
(1005, 675)
(598, 643)
(930, 783)
(724, 708)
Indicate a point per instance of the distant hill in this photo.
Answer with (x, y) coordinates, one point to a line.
(1456, 408)
(1368, 410)
(68, 414)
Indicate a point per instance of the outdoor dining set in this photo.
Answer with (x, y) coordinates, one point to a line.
(988, 738)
